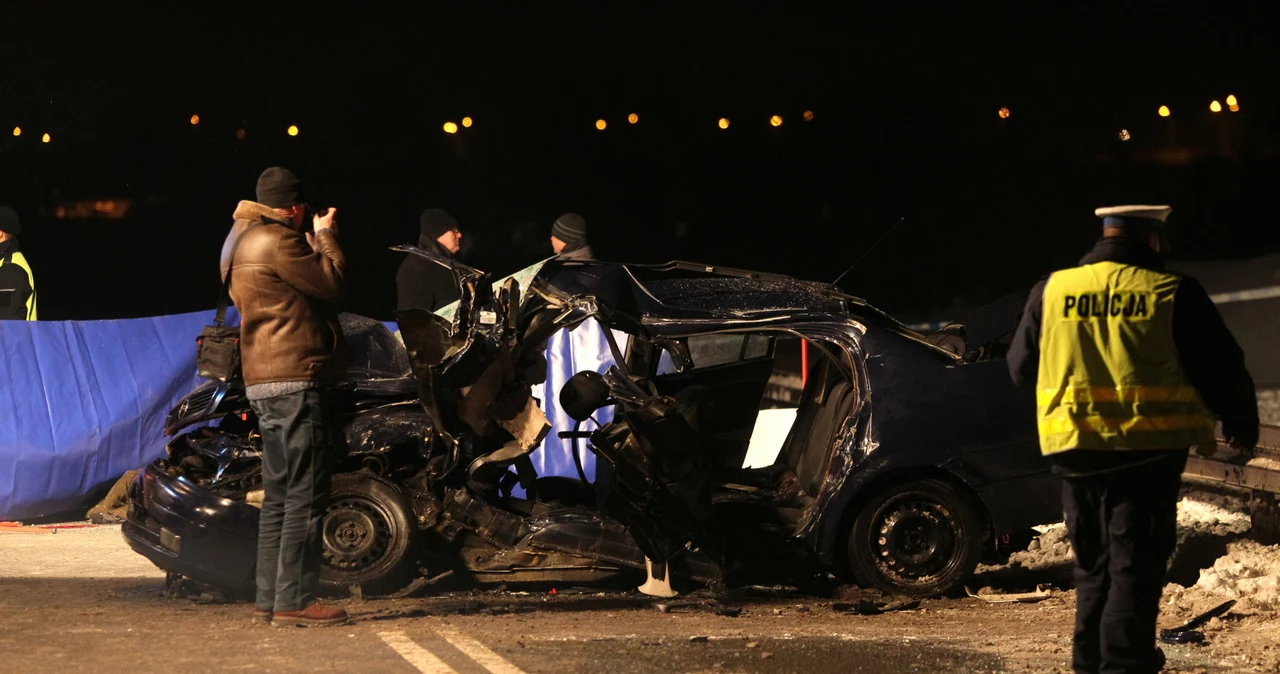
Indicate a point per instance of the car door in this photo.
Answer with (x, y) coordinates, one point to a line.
(725, 376)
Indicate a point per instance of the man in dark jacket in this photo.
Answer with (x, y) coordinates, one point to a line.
(17, 284)
(569, 238)
(284, 284)
(421, 283)
(1131, 365)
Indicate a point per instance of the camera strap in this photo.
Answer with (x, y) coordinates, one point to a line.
(225, 299)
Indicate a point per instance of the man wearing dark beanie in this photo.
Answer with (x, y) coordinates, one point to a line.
(17, 284)
(284, 283)
(421, 283)
(569, 238)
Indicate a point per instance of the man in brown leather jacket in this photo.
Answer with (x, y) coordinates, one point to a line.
(284, 283)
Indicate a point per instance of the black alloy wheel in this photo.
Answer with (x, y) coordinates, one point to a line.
(919, 537)
(368, 536)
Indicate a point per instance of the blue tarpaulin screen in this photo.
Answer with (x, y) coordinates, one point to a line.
(85, 401)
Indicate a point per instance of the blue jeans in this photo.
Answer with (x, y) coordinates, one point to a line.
(295, 481)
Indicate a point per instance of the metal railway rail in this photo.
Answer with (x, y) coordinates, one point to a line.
(1257, 472)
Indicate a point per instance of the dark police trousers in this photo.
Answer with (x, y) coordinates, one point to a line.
(1123, 527)
(295, 480)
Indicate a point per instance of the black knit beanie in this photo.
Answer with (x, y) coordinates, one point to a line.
(436, 222)
(570, 228)
(279, 188)
(9, 221)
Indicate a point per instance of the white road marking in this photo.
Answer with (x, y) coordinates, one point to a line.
(477, 651)
(424, 660)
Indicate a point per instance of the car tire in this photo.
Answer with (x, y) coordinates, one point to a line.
(368, 537)
(918, 537)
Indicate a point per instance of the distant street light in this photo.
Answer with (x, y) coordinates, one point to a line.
(293, 130)
(17, 131)
(45, 138)
(723, 123)
(466, 122)
(1124, 135)
(239, 134)
(633, 118)
(1004, 113)
(450, 127)
(195, 119)
(808, 115)
(601, 124)
(1215, 106)
(1231, 101)
(775, 120)
(1164, 111)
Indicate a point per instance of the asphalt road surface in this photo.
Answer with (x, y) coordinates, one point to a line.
(80, 600)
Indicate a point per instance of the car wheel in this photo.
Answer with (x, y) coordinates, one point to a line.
(368, 537)
(920, 538)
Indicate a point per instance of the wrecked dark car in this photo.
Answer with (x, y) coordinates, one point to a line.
(905, 459)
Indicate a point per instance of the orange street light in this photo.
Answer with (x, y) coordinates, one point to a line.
(195, 119)
(17, 131)
(45, 138)
(1164, 111)
(724, 123)
(633, 118)
(1004, 113)
(450, 127)
(293, 130)
(1124, 135)
(775, 120)
(808, 115)
(601, 124)
(1215, 106)
(1231, 101)
(466, 122)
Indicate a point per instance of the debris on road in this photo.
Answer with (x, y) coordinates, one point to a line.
(704, 606)
(1187, 633)
(422, 582)
(1040, 594)
(869, 607)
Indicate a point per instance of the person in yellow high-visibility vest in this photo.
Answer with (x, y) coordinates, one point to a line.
(17, 284)
(1132, 367)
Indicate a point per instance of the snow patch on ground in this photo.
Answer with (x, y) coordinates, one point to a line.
(1269, 406)
(1200, 513)
(1248, 573)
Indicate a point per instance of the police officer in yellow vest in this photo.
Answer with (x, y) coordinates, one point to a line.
(1131, 365)
(17, 285)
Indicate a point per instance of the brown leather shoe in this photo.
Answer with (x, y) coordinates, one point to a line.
(315, 614)
(261, 615)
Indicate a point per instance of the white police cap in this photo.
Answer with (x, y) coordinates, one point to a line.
(1133, 217)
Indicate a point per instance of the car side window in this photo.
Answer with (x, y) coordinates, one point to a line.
(711, 350)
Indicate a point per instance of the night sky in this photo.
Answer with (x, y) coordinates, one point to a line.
(905, 126)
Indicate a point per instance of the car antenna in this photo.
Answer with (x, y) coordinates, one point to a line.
(836, 283)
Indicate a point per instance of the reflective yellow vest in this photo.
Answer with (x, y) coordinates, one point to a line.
(1110, 378)
(18, 259)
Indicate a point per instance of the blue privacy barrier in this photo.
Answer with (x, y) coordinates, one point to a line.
(85, 401)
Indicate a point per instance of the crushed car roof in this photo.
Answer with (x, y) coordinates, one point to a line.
(681, 289)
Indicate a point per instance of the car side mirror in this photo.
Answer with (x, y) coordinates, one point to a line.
(583, 394)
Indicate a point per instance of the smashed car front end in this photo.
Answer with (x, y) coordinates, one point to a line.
(184, 528)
